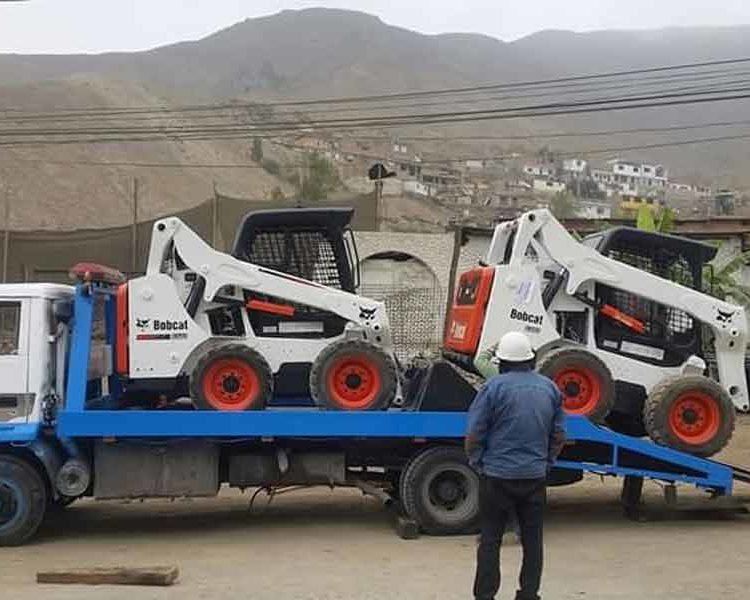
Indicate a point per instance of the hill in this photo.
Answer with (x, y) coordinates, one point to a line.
(317, 53)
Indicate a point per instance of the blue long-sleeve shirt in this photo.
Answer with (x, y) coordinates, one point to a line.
(516, 425)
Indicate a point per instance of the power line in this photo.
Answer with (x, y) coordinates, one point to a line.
(102, 115)
(148, 165)
(555, 108)
(400, 95)
(584, 152)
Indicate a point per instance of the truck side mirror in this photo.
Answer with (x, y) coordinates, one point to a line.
(62, 310)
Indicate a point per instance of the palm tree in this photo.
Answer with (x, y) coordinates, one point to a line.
(721, 282)
(724, 283)
(661, 221)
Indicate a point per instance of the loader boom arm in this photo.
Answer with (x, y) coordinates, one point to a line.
(220, 270)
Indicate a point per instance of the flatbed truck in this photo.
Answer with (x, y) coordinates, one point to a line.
(65, 433)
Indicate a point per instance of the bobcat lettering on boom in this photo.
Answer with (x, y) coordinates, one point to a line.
(524, 317)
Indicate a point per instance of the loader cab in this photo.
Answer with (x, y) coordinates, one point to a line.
(309, 243)
(29, 348)
(315, 244)
(671, 335)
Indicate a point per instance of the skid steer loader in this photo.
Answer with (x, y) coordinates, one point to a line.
(278, 316)
(618, 321)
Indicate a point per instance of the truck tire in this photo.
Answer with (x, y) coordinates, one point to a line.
(586, 383)
(440, 491)
(23, 500)
(690, 413)
(231, 378)
(353, 375)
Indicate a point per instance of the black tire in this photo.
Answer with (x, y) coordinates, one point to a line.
(23, 501)
(586, 383)
(231, 378)
(440, 491)
(690, 413)
(373, 375)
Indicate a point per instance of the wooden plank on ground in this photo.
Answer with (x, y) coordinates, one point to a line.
(151, 576)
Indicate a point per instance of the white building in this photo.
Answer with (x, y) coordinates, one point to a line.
(549, 186)
(639, 174)
(539, 170)
(574, 165)
(592, 209)
(630, 178)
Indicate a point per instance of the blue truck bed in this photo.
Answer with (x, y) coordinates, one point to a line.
(592, 448)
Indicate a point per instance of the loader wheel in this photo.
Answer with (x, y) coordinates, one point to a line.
(690, 413)
(440, 491)
(23, 500)
(231, 378)
(585, 382)
(353, 375)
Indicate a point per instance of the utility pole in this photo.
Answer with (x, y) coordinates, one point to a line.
(378, 173)
(6, 235)
(134, 229)
(215, 218)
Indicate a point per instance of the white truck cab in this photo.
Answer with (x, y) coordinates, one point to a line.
(30, 343)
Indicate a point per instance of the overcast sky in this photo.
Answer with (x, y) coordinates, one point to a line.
(63, 26)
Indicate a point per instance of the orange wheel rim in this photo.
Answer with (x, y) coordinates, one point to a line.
(694, 418)
(581, 390)
(231, 384)
(354, 382)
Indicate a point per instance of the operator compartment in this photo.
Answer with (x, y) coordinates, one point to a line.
(468, 311)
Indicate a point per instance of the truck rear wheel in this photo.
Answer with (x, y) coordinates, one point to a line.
(23, 500)
(586, 383)
(353, 375)
(440, 491)
(690, 413)
(231, 378)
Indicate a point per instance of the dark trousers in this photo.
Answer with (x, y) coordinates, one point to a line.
(497, 499)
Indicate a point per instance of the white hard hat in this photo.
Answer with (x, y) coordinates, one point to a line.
(514, 347)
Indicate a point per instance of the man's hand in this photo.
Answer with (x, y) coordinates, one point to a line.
(471, 444)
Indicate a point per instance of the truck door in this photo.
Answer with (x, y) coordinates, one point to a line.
(14, 359)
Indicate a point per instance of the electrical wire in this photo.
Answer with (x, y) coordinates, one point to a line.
(397, 95)
(528, 111)
(217, 112)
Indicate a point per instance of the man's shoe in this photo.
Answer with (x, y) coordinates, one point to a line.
(521, 596)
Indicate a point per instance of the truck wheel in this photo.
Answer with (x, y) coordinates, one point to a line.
(586, 383)
(440, 491)
(231, 378)
(353, 375)
(23, 500)
(690, 413)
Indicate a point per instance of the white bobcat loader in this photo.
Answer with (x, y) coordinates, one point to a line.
(278, 313)
(618, 321)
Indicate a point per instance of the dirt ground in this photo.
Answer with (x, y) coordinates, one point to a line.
(326, 545)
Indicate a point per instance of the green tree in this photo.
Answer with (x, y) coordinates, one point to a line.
(724, 282)
(659, 221)
(271, 166)
(563, 205)
(319, 180)
(257, 152)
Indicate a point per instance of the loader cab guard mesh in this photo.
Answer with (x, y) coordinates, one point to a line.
(672, 334)
(314, 244)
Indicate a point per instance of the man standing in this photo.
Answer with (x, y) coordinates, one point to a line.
(516, 429)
